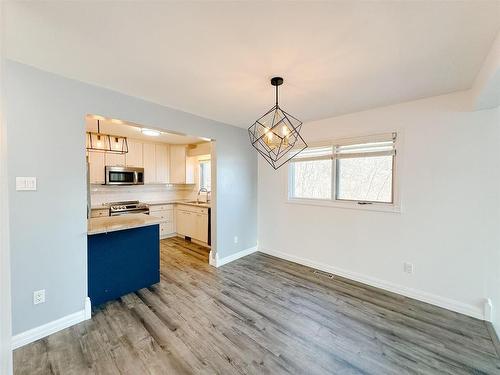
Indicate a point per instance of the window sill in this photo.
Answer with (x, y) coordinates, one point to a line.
(380, 207)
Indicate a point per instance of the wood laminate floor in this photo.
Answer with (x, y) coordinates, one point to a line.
(261, 315)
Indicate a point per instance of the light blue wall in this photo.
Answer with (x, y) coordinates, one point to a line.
(44, 116)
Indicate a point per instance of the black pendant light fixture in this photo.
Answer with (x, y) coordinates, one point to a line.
(275, 135)
(99, 142)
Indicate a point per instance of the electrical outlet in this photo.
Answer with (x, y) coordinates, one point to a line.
(38, 296)
(408, 267)
(235, 239)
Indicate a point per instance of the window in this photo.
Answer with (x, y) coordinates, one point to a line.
(359, 170)
(205, 179)
(312, 174)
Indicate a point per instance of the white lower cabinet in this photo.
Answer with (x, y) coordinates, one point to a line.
(192, 222)
(201, 227)
(99, 212)
(166, 213)
(185, 220)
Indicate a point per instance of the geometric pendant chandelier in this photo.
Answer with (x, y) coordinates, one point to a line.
(276, 135)
(100, 142)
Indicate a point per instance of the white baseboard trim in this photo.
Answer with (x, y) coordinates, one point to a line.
(212, 258)
(447, 303)
(88, 309)
(57, 325)
(238, 255)
(488, 310)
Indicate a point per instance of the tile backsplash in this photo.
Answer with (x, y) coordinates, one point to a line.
(100, 194)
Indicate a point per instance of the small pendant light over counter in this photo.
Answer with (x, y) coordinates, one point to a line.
(275, 135)
(99, 142)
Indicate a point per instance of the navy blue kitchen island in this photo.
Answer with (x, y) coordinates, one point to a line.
(123, 256)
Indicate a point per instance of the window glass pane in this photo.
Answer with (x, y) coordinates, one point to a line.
(311, 179)
(205, 180)
(365, 179)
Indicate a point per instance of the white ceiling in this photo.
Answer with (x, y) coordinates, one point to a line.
(214, 59)
(130, 130)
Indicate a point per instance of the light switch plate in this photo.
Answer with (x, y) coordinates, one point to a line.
(25, 183)
(408, 267)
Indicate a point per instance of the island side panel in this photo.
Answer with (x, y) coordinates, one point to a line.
(122, 262)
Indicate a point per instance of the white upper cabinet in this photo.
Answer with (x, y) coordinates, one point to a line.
(162, 163)
(191, 163)
(96, 167)
(149, 163)
(177, 164)
(115, 159)
(134, 156)
(162, 170)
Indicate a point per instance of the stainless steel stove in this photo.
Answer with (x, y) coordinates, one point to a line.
(128, 207)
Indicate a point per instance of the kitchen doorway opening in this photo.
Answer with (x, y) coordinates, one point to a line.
(134, 169)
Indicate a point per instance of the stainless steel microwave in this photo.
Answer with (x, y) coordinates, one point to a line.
(124, 176)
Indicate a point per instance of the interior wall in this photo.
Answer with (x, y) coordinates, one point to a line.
(45, 123)
(449, 176)
(5, 293)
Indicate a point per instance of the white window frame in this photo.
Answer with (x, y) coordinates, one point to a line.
(395, 206)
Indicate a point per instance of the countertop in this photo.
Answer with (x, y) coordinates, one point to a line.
(178, 201)
(107, 224)
(158, 203)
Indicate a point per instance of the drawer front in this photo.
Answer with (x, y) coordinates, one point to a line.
(162, 207)
(99, 213)
(167, 215)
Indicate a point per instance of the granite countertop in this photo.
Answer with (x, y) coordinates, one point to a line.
(179, 201)
(107, 224)
(159, 203)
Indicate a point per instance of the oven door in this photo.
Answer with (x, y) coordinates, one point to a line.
(128, 212)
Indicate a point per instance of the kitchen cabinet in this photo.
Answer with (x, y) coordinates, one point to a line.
(192, 222)
(162, 163)
(166, 213)
(134, 156)
(96, 167)
(177, 164)
(191, 163)
(99, 212)
(149, 163)
(183, 222)
(162, 170)
(121, 262)
(115, 159)
(201, 227)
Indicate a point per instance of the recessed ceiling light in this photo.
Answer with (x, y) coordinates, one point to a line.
(150, 132)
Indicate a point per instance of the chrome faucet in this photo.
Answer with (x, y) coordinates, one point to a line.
(202, 190)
